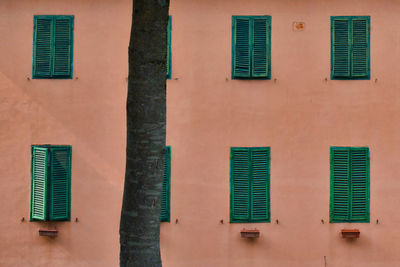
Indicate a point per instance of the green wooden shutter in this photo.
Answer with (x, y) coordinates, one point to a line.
(42, 46)
(240, 184)
(169, 71)
(260, 162)
(360, 47)
(241, 47)
(62, 58)
(261, 30)
(340, 48)
(359, 185)
(165, 197)
(60, 183)
(39, 173)
(340, 180)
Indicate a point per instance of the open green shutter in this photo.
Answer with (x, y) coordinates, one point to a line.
(261, 29)
(62, 46)
(359, 185)
(241, 47)
(42, 47)
(340, 48)
(169, 47)
(340, 180)
(260, 162)
(360, 48)
(60, 184)
(39, 173)
(165, 197)
(240, 184)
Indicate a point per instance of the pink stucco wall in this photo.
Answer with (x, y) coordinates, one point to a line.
(296, 113)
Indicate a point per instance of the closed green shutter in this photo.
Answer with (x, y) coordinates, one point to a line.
(240, 184)
(340, 179)
(39, 173)
(60, 184)
(360, 52)
(52, 47)
(360, 184)
(62, 46)
(350, 50)
(260, 55)
(260, 184)
(341, 48)
(241, 47)
(349, 184)
(42, 47)
(166, 189)
(169, 71)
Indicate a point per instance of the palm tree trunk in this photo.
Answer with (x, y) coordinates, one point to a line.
(146, 102)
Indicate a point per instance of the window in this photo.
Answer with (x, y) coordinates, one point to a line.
(165, 198)
(350, 48)
(250, 198)
(349, 184)
(169, 47)
(251, 49)
(50, 183)
(52, 47)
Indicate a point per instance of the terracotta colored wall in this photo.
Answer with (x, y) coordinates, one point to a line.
(87, 112)
(300, 115)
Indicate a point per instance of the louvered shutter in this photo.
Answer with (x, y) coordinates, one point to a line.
(360, 48)
(240, 184)
(39, 174)
(261, 29)
(60, 184)
(340, 48)
(169, 47)
(241, 47)
(260, 162)
(62, 59)
(359, 184)
(165, 197)
(42, 47)
(340, 180)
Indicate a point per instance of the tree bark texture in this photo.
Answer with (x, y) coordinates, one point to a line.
(146, 120)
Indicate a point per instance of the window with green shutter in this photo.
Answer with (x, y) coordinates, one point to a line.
(350, 48)
(166, 189)
(169, 29)
(50, 183)
(52, 47)
(250, 184)
(251, 47)
(349, 184)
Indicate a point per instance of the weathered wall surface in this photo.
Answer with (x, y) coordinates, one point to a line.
(87, 112)
(300, 116)
(297, 113)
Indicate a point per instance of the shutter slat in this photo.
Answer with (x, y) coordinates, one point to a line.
(240, 204)
(169, 47)
(341, 48)
(260, 184)
(62, 47)
(39, 184)
(340, 175)
(241, 38)
(60, 171)
(260, 55)
(42, 47)
(165, 197)
(360, 52)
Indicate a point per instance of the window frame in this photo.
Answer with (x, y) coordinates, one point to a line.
(52, 46)
(251, 46)
(351, 77)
